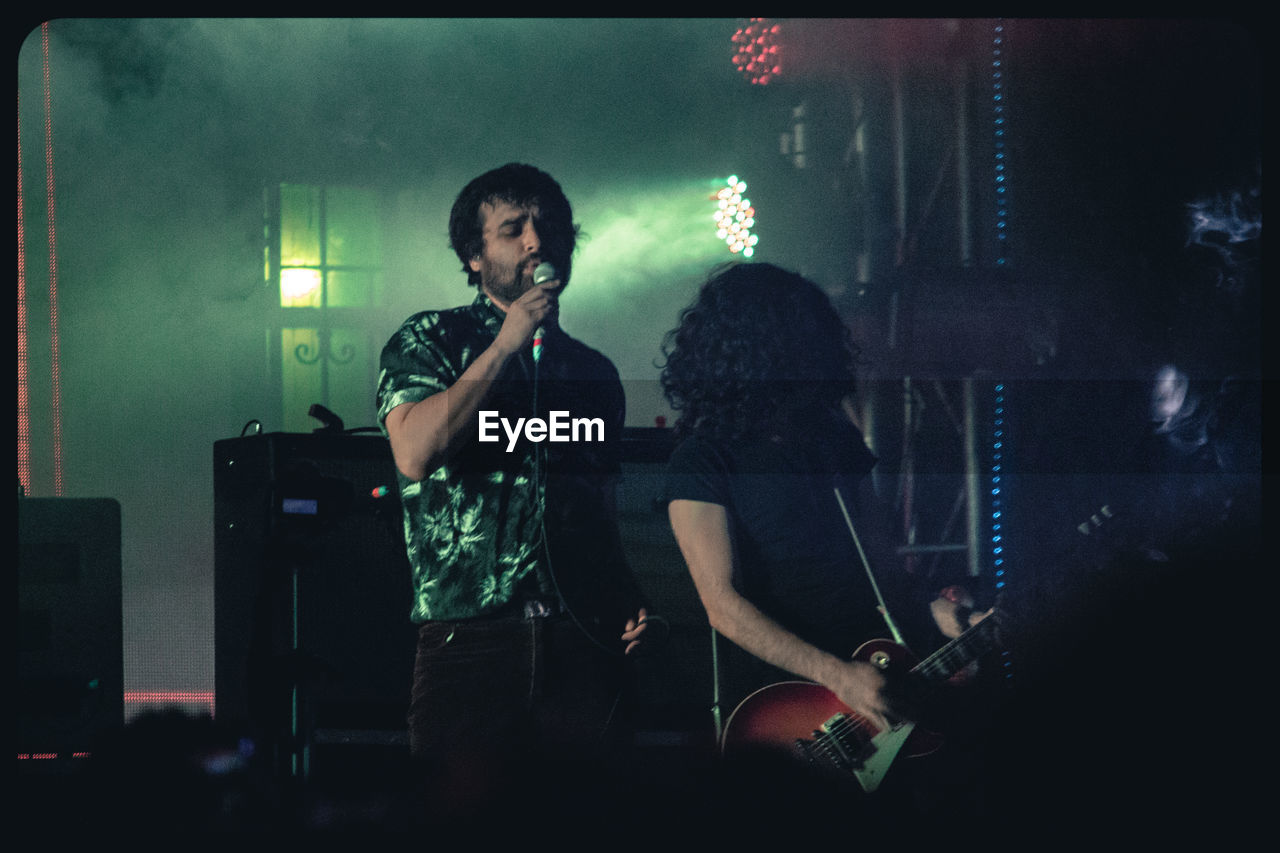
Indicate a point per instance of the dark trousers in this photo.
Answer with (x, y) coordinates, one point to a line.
(495, 690)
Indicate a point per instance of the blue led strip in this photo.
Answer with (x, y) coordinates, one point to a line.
(998, 114)
(997, 505)
(998, 448)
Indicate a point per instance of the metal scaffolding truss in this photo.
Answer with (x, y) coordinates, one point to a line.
(938, 497)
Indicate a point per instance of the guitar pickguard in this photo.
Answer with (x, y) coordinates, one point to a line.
(807, 718)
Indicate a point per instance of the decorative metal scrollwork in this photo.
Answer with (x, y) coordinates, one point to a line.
(304, 353)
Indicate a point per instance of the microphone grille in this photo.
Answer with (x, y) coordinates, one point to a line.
(544, 272)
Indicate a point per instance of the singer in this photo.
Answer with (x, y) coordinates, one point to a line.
(761, 371)
(526, 604)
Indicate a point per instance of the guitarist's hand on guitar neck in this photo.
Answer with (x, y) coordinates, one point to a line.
(953, 611)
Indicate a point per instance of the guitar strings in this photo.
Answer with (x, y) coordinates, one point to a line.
(829, 740)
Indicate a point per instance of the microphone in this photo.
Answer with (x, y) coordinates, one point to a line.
(542, 273)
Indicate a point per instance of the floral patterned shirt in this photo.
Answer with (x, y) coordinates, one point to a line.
(475, 527)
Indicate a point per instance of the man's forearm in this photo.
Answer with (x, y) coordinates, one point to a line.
(745, 625)
(425, 434)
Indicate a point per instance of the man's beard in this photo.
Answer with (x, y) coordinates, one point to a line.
(508, 285)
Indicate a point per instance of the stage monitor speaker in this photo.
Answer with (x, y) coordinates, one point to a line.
(312, 592)
(70, 634)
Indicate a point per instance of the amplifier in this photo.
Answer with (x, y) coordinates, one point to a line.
(70, 634)
(313, 643)
(312, 591)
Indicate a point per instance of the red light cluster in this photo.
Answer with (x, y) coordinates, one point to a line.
(757, 55)
(195, 701)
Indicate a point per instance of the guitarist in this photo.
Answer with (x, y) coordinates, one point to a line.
(761, 370)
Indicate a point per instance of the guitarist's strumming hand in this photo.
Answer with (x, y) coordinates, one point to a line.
(862, 687)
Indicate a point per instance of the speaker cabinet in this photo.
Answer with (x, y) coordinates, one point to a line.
(70, 636)
(312, 593)
(314, 647)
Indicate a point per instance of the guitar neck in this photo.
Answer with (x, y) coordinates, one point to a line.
(960, 652)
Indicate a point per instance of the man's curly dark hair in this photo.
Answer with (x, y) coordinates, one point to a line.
(759, 351)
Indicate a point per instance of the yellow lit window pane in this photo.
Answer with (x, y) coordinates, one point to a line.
(328, 257)
(352, 228)
(355, 288)
(299, 288)
(299, 225)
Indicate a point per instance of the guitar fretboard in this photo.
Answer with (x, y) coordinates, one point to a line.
(960, 652)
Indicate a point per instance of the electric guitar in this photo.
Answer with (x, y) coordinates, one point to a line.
(808, 718)
(819, 728)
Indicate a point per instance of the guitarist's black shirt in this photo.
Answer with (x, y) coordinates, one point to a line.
(797, 560)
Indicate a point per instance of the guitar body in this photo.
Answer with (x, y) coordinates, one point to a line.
(808, 719)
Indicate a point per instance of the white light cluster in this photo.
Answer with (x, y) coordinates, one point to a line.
(735, 217)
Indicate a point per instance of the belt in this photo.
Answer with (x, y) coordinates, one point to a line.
(538, 609)
(518, 611)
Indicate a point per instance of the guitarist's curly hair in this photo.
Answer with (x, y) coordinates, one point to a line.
(757, 353)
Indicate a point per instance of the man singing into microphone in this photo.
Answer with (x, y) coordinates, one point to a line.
(526, 606)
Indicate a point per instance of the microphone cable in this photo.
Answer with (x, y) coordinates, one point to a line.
(545, 272)
(540, 479)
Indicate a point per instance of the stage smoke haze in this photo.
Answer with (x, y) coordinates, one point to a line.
(167, 131)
